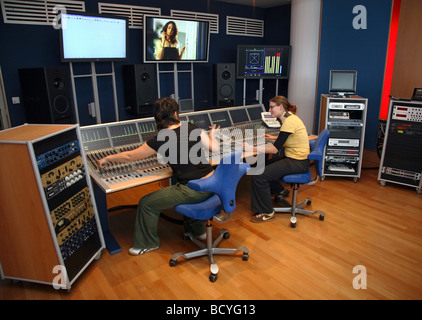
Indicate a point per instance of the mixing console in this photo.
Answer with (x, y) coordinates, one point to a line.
(237, 124)
(120, 172)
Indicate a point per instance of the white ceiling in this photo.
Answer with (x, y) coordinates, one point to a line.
(259, 3)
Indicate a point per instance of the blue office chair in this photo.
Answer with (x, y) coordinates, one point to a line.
(217, 207)
(317, 153)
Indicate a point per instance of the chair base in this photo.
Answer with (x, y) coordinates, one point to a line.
(298, 209)
(210, 249)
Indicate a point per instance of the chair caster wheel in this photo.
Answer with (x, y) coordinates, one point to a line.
(213, 277)
(308, 202)
(245, 257)
(293, 221)
(321, 217)
(172, 263)
(226, 235)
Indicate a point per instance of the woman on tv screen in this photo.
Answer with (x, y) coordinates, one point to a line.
(167, 48)
(169, 39)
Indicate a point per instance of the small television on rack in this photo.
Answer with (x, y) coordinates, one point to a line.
(170, 39)
(343, 82)
(93, 37)
(263, 62)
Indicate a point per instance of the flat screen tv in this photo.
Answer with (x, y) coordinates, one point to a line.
(343, 82)
(263, 62)
(169, 39)
(86, 37)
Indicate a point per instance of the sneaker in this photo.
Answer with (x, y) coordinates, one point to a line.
(137, 252)
(263, 217)
(283, 193)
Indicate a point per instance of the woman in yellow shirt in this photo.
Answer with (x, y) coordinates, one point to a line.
(293, 137)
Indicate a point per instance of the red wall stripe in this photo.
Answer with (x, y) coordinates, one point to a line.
(389, 65)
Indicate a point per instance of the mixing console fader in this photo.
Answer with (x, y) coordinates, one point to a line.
(115, 173)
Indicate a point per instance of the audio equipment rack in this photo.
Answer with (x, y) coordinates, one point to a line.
(50, 230)
(346, 119)
(401, 158)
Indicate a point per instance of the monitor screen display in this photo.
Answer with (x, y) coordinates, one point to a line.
(95, 138)
(169, 39)
(221, 119)
(343, 81)
(86, 37)
(239, 115)
(124, 134)
(200, 120)
(255, 113)
(266, 62)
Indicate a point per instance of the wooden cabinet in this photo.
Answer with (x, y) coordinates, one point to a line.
(49, 226)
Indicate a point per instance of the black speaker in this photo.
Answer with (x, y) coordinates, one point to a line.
(46, 95)
(140, 82)
(224, 84)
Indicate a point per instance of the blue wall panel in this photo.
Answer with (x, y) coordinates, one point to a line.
(345, 48)
(32, 46)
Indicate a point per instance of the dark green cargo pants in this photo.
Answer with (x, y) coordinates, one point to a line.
(150, 207)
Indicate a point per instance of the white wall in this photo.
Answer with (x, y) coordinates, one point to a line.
(304, 39)
(4, 114)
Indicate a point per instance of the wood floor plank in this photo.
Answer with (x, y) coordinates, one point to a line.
(366, 224)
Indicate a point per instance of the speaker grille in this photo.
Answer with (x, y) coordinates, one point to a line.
(46, 95)
(224, 84)
(61, 104)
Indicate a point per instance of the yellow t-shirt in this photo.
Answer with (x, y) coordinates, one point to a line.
(297, 144)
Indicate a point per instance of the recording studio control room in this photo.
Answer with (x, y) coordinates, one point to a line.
(216, 157)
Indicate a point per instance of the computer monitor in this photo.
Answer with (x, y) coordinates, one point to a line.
(343, 82)
(192, 45)
(86, 37)
(263, 61)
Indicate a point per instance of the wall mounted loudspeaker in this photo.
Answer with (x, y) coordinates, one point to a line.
(46, 95)
(140, 90)
(224, 84)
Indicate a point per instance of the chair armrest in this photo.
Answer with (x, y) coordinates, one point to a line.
(205, 184)
(312, 144)
(315, 155)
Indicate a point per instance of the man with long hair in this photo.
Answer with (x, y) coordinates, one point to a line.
(180, 138)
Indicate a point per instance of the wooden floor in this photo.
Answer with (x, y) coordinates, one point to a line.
(366, 224)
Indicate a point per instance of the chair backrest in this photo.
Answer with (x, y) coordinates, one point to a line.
(224, 180)
(317, 150)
